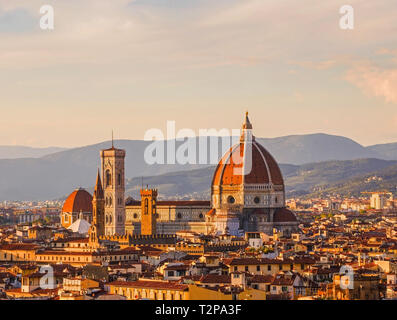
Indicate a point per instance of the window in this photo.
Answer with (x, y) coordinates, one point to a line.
(257, 200)
(179, 215)
(258, 268)
(231, 199)
(246, 268)
(108, 178)
(269, 268)
(201, 216)
(146, 210)
(135, 215)
(119, 179)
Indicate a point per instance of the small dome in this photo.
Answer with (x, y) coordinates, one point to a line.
(81, 226)
(284, 215)
(78, 201)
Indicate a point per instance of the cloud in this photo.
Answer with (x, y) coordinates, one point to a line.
(17, 21)
(374, 80)
(318, 65)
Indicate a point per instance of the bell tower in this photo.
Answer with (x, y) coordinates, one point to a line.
(113, 180)
(148, 211)
(97, 228)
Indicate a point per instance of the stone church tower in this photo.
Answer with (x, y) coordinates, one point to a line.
(148, 211)
(112, 161)
(97, 228)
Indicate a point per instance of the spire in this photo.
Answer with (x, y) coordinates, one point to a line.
(112, 140)
(247, 124)
(98, 192)
(246, 130)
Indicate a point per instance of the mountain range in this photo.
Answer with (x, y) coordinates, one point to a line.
(16, 152)
(300, 180)
(307, 160)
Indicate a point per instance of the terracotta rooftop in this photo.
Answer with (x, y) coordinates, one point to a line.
(78, 201)
(162, 285)
(284, 215)
(264, 168)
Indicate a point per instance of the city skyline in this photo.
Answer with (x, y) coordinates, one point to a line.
(198, 150)
(133, 60)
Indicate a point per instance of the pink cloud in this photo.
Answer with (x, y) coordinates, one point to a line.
(375, 81)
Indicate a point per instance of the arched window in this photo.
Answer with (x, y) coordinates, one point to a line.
(146, 206)
(119, 179)
(108, 178)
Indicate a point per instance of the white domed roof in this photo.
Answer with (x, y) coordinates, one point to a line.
(81, 226)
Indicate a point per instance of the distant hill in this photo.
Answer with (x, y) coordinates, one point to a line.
(300, 149)
(16, 152)
(384, 179)
(386, 151)
(54, 175)
(299, 180)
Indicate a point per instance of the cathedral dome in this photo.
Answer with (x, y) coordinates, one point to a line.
(284, 215)
(78, 201)
(234, 169)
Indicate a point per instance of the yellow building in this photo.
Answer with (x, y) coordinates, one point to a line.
(79, 284)
(23, 270)
(149, 289)
(82, 258)
(365, 287)
(18, 252)
(75, 288)
(163, 290)
(39, 233)
(266, 266)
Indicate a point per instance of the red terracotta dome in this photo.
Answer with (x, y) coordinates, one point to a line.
(78, 201)
(284, 215)
(264, 170)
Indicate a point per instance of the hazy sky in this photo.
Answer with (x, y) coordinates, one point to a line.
(133, 65)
